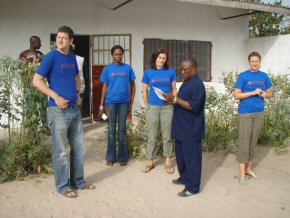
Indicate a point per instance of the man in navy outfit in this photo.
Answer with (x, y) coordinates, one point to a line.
(188, 127)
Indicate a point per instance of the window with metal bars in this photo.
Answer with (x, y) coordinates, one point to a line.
(102, 45)
(178, 50)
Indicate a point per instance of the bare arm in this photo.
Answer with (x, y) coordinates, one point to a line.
(174, 89)
(239, 95)
(78, 84)
(132, 94)
(38, 82)
(104, 93)
(170, 100)
(267, 94)
(145, 89)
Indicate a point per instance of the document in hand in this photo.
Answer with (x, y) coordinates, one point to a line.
(159, 93)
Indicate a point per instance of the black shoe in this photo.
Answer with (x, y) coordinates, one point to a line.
(175, 182)
(123, 163)
(186, 193)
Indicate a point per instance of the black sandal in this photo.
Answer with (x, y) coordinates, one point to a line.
(123, 163)
(110, 163)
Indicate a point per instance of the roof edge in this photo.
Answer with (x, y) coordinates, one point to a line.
(241, 5)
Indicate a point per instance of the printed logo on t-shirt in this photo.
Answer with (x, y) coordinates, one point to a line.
(119, 74)
(256, 83)
(160, 80)
(67, 66)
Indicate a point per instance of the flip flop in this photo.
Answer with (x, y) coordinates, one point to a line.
(148, 168)
(169, 169)
(243, 181)
(69, 194)
(88, 187)
(252, 174)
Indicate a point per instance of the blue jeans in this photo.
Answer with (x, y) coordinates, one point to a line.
(117, 112)
(66, 126)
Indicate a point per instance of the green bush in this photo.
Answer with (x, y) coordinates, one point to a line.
(221, 114)
(277, 114)
(23, 116)
(221, 119)
(137, 138)
(137, 135)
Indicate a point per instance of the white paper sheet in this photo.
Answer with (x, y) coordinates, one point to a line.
(159, 93)
(104, 117)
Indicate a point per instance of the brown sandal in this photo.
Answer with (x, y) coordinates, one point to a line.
(169, 169)
(88, 187)
(148, 168)
(69, 193)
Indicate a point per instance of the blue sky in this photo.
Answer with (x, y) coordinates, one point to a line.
(284, 2)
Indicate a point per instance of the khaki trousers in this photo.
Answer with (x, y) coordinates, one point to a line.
(250, 126)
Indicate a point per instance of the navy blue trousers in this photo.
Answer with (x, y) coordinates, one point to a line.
(189, 159)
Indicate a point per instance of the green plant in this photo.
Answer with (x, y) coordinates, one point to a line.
(221, 112)
(137, 135)
(22, 112)
(221, 119)
(277, 114)
(266, 23)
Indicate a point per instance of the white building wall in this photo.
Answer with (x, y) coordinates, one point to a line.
(143, 19)
(275, 52)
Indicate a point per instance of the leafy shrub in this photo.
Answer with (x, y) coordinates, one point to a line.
(23, 116)
(277, 114)
(221, 119)
(137, 135)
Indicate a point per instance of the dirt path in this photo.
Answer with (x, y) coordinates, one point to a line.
(127, 192)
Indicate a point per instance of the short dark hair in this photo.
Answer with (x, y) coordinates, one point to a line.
(254, 54)
(66, 29)
(115, 47)
(191, 60)
(155, 55)
(33, 37)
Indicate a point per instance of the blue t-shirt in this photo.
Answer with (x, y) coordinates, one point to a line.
(118, 78)
(60, 71)
(160, 78)
(249, 81)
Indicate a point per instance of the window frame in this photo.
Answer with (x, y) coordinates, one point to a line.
(167, 44)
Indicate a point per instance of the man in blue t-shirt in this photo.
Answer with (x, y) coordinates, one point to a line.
(60, 69)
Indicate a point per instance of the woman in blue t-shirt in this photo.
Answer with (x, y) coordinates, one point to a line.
(117, 78)
(252, 87)
(159, 78)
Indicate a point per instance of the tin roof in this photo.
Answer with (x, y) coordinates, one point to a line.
(242, 4)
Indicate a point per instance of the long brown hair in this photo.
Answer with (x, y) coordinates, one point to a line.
(154, 57)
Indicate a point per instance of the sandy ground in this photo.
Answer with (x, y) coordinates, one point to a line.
(127, 192)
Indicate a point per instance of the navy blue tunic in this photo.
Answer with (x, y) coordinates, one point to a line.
(189, 125)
